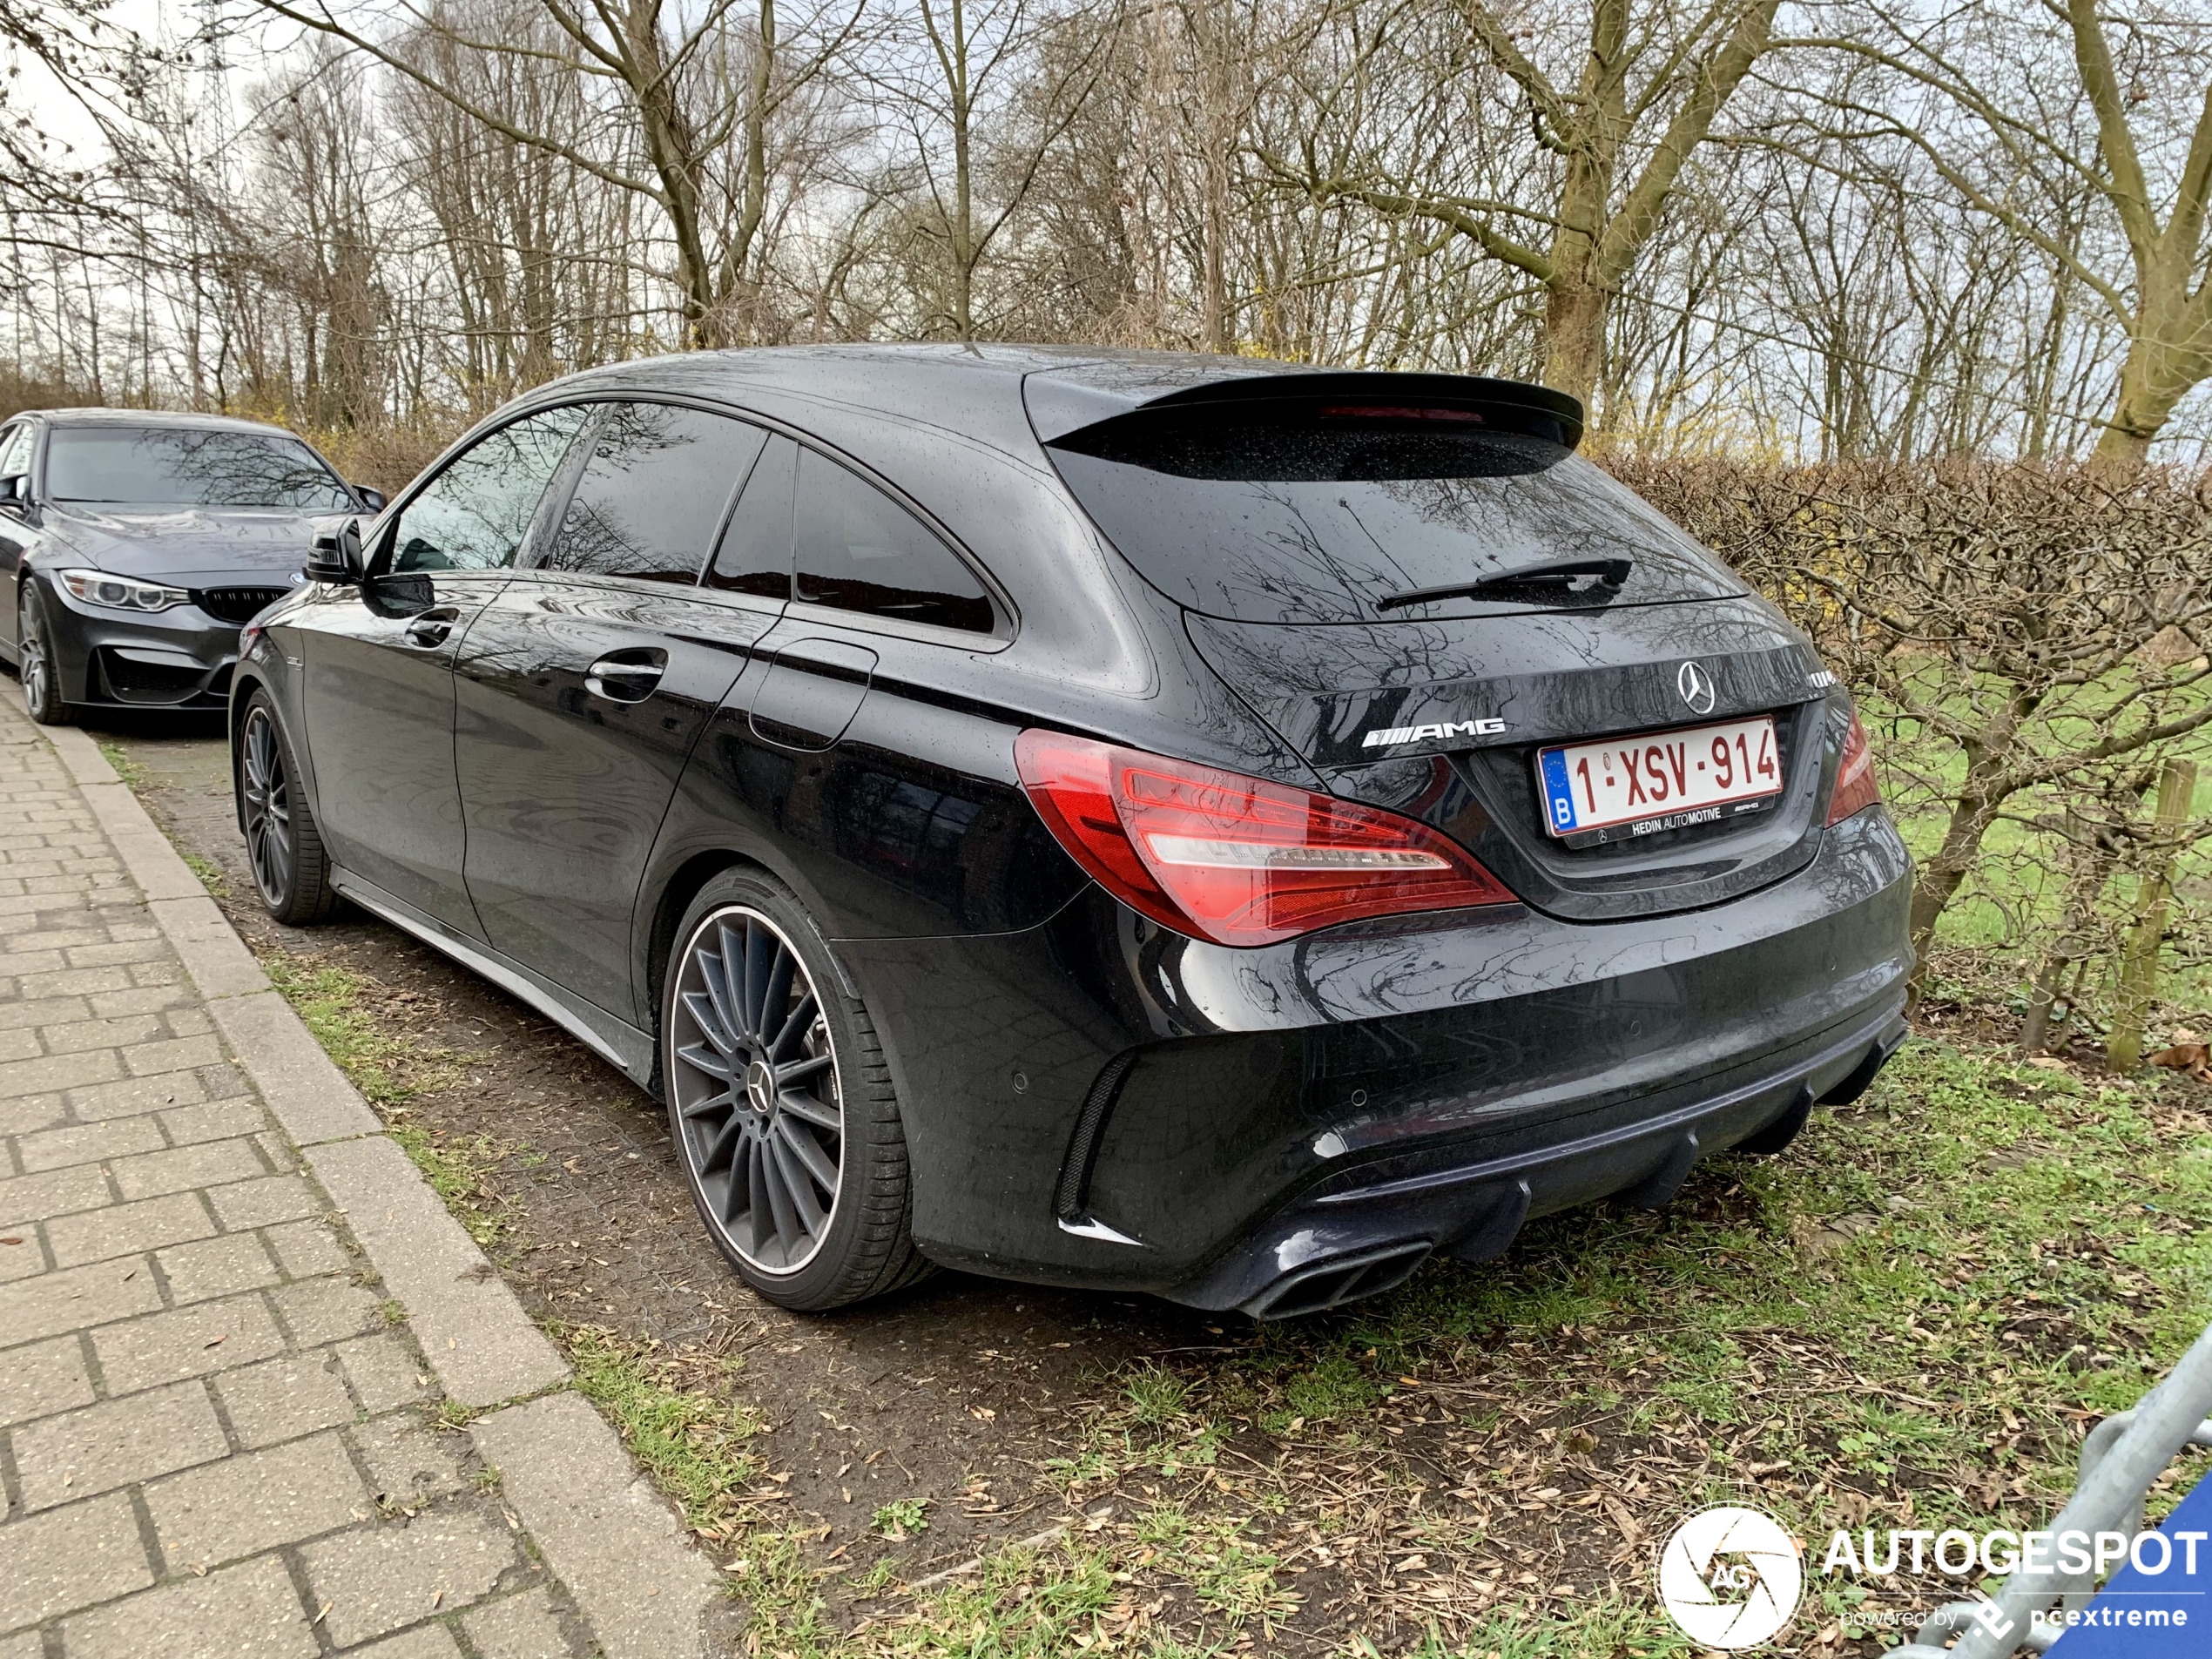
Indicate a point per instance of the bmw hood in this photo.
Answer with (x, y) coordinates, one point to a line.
(190, 547)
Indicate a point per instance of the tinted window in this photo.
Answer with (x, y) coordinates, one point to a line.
(652, 494)
(755, 554)
(1319, 519)
(859, 551)
(15, 451)
(183, 467)
(474, 514)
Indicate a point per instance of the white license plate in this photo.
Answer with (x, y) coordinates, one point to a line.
(1660, 780)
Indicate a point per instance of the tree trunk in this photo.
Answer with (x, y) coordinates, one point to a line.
(1945, 872)
(2170, 352)
(2139, 967)
(2140, 408)
(1985, 789)
(2097, 849)
(1575, 314)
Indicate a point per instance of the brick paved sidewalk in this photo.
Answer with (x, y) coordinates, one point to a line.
(215, 1433)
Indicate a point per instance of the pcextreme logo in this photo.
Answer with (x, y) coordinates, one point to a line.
(1730, 1578)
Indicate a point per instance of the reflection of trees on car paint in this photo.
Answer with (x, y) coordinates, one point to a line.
(125, 466)
(474, 514)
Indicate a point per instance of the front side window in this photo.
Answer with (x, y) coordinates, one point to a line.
(653, 493)
(858, 549)
(474, 514)
(15, 451)
(125, 466)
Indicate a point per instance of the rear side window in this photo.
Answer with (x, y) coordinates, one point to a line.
(474, 514)
(652, 495)
(1332, 513)
(755, 554)
(858, 549)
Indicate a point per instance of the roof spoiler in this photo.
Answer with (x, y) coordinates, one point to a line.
(1058, 410)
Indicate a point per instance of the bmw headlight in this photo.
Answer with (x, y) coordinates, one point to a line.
(121, 592)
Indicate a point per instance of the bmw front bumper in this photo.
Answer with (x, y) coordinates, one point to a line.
(178, 659)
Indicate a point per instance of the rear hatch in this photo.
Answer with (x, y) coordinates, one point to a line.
(1417, 583)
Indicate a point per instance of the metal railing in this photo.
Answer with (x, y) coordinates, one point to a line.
(2121, 1457)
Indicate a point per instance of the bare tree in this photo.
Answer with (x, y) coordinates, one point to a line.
(1648, 79)
(973, 157)
(2058, 110)
(695, 94)
(315, 154)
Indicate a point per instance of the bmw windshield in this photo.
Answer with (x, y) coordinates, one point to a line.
(183, 467)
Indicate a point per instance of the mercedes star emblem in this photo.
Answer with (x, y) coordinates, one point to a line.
(1696, 688)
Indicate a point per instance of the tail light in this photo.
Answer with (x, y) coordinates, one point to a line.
(1236, 859)
(1856, 789)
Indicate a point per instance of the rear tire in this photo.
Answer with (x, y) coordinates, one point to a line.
(780, 1104)
(42, 693)
(290, 869)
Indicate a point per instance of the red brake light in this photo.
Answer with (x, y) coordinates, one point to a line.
(1855, 788)
(1236, 859)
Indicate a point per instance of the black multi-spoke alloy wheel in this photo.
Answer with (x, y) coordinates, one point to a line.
(291, 870)
(780, 1104)
(42, 688)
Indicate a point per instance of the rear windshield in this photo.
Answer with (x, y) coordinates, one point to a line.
(120, 466)
(1375, 515)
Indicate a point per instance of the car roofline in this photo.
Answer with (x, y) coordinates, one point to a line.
(900, 381)
(180, 419)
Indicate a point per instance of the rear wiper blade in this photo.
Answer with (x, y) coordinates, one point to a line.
(1567, 578)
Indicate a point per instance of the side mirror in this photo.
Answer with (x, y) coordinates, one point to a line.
(372, 499)
(336, 556)
(15, 492)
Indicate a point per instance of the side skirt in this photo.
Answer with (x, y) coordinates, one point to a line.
(619, 1043)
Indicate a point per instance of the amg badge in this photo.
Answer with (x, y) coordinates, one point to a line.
(1422, 733)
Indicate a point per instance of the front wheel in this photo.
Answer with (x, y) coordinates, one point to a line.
(290, 869)
(42, 689)
(780, 1104)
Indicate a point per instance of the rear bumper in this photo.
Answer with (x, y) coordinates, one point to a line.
(1356, 1236)
(1095, 1102)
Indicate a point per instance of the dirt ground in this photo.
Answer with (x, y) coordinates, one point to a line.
(596, 1227)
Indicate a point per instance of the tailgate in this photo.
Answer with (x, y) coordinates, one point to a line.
(1443, 719)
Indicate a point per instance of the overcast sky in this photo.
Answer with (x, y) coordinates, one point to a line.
(60, 117)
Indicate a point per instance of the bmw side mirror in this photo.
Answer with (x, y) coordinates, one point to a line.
(335, 554)
(15, 492)
(372, 499)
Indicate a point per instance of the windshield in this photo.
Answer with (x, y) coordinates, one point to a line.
(125, 466)
(1374, 514)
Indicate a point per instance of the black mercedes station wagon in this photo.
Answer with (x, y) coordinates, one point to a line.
(1178, 824)
(134, 545)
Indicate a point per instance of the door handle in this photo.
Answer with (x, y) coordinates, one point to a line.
(431, 629)
(621, 681)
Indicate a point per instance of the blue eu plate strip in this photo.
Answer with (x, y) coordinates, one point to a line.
(1559, 794)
